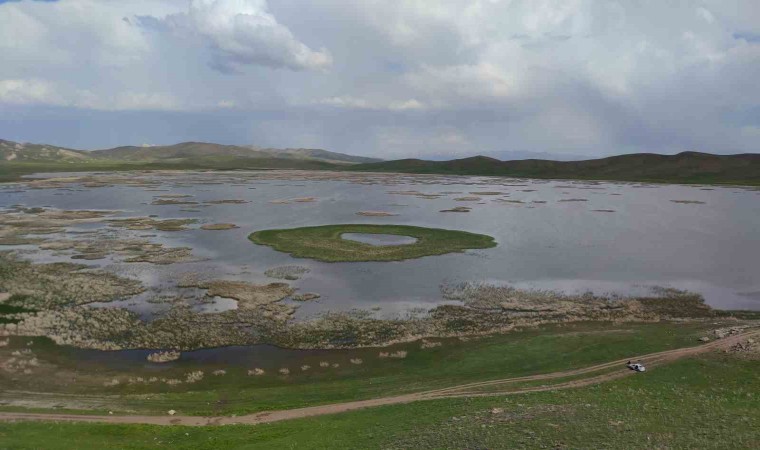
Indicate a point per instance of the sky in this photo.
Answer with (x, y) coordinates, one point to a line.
(389, 79)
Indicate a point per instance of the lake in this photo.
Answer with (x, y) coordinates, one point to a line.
(562, 235)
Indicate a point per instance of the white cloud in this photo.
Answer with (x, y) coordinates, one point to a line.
(140, 101)
(68, 33)
(243, 32)
(29, 92)
(580, 76)
(401, 142)
(706, 14)
(405, 105)
(43, 92)
(363, 103)
(226, 104)
(458, 83)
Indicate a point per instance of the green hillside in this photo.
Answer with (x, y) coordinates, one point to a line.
(686, 167)
(204, 150)
(185, 151)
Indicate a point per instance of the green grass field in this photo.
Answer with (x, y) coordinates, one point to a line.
(324, 243)
(532, 351)
(709, 402)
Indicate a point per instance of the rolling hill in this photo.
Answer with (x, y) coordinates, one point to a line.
(205, 150)
(685, 167)
(317, 155)
(14, 151)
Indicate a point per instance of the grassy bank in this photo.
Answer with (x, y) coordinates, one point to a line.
(684, 168)
(540, 350)
(14, 171)
(324, 243)
(706, 402)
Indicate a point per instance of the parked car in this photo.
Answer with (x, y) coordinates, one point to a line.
(636, 367)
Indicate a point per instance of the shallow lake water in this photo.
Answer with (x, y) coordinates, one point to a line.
(562, 235)
(379, 239)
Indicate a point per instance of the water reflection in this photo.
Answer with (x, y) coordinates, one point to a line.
(604, 237)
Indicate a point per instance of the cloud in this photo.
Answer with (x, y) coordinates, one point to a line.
(40, 36)
(29, 92)
(401, 77)
(363, 103)
(456, 83)
(44, 1)
(401, 142)
(43, 92)
(243, 32)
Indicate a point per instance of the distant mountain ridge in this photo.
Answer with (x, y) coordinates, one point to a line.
(509, 155)
(685, 167)
(14, 151)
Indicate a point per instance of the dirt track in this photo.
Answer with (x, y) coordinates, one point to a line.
(609, 371)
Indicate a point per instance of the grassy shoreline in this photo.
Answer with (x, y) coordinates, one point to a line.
(703, 402)
(542, 349)
(13, 172)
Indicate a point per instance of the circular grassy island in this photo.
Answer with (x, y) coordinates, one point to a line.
(324, 243)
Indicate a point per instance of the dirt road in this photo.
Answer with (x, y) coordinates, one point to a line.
(595, 374)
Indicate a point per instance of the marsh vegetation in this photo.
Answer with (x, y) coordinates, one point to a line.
(141, 279)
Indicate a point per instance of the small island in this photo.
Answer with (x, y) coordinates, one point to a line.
(326, 242)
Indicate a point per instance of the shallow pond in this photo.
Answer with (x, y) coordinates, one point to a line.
(569, 236)
(379, 239)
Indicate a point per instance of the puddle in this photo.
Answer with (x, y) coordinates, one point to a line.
(379, 240)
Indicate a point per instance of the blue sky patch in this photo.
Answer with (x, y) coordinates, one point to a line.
(748, 36)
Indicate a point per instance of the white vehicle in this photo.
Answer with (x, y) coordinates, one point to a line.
(636, 367)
